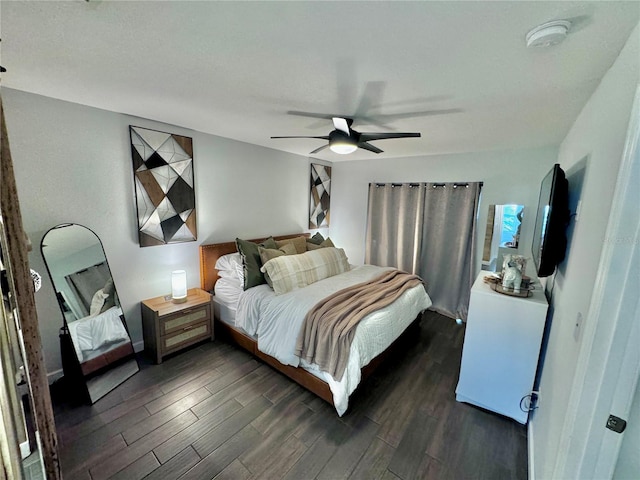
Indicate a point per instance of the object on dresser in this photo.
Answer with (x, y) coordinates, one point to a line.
(513, 267)
(522, 293)
(97, 351)
(279, 312)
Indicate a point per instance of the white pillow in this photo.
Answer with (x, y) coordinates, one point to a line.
(97, 302)
(228, 290)
(230, 266)
(290, 272)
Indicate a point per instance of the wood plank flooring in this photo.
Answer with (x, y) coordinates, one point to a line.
(216, 412)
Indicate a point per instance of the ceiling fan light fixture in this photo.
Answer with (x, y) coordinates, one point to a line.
(341, 143)
(343, 148)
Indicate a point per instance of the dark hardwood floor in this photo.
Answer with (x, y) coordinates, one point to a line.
(216, 412)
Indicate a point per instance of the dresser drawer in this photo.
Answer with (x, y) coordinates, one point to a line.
(185, 336)
(178, 322)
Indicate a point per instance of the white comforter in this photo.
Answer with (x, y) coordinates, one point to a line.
(277, 319)
(92, 333)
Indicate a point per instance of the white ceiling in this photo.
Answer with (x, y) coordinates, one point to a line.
(235, 69)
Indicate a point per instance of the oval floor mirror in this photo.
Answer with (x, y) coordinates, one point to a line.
(97, 352)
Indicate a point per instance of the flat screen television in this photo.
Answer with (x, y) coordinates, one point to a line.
(549, 236)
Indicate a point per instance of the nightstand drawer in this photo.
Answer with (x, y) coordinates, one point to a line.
(186, 336)
(181, 320)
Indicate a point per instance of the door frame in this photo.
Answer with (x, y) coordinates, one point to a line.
(609, 362)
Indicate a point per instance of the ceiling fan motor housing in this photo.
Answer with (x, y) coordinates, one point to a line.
(338, 136)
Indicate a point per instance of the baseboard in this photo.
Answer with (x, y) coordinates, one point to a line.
(530, 451)
(138, 346)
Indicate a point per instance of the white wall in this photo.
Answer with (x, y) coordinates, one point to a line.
(507, 176)
(598, 135)
(73, 164)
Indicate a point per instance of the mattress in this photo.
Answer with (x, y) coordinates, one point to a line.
(259, 313)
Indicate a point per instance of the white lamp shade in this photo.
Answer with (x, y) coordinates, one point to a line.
(179, 286)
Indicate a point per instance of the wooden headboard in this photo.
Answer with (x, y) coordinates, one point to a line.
(209, 255)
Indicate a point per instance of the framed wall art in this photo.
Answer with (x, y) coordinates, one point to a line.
(164, 185)
(320, 196)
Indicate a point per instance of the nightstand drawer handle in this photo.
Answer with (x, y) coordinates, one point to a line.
(188, 327)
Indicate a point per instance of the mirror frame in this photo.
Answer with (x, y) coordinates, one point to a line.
(492, 247)
(100, 374)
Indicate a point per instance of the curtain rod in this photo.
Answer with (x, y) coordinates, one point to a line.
(435, 185)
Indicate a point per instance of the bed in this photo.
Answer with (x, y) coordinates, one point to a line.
(267, 321)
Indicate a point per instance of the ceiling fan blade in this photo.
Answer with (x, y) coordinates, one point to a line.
(319, 149)
(342, 124)
(372, 95)
(425, 113)
(325, 116)
(324, 137)
(368, 146)
(368, 136)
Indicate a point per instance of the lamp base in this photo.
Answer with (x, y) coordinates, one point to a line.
(179, 299)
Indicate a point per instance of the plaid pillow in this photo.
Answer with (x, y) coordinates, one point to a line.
(290, 272)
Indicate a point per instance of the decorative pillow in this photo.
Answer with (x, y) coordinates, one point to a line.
(251, 260)
(111, 298)
(267, 254)
(299, 242)
(326, 243)
(97, 302)
(317, 239)
(290, 272)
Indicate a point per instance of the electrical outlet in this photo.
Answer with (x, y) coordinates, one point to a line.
(577, 327)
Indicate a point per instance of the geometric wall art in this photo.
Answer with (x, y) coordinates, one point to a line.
(164, 184)
(320, 196)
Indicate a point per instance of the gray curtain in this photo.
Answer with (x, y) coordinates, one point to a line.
(393, 239)
(428, 229)
(85, 283)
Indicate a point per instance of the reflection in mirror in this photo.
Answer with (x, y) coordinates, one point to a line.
(95, 344)
(503, 232)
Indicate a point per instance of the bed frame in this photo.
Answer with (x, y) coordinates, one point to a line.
(209, 254)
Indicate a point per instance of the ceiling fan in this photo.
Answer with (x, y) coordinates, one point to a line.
(345, 140)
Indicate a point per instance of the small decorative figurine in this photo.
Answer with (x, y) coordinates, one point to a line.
(512, 271)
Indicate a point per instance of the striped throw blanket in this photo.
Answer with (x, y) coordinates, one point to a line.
(329, 327)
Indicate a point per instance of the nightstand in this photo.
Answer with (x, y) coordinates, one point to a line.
(169, 327)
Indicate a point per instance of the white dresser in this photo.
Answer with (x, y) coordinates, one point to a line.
(501, 348)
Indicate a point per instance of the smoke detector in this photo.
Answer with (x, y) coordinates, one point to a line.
(548, 34)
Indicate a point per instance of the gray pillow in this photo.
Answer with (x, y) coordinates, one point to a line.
(251, 260)
(325, 243)
(317, 239)
(267, 254)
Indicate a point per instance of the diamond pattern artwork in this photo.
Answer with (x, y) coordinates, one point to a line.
(320, 196)
(165, 195)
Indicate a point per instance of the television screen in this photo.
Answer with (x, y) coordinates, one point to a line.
(549, 236)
